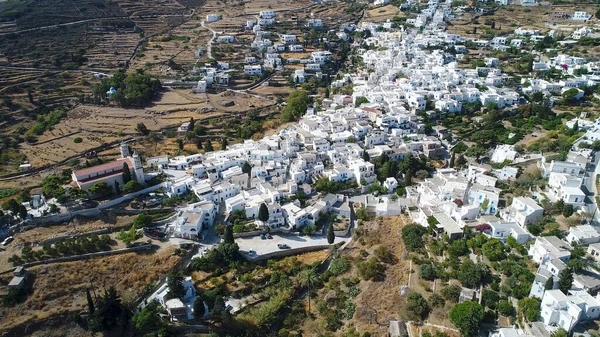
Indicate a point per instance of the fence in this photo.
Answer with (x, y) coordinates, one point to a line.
(90, 255)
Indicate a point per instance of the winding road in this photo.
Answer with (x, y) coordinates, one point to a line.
(210, 42)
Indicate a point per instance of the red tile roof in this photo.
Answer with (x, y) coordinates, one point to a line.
(117, 164)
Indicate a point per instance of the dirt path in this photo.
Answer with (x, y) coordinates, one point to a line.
(210, 42)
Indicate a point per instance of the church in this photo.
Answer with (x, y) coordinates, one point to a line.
(110, 172)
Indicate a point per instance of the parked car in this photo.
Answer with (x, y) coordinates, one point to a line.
(251, 252)
(262, 236)
(269, 236)
(7, 241)
(283, 246)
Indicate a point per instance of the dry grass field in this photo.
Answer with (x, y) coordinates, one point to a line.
(508, 18)
(378, 302)
(38, 234)
(60, 288)
(382, 14)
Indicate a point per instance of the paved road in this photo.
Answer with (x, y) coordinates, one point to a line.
(589, 181)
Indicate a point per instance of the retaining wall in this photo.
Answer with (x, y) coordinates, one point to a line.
(287, 252)
(62, 237)
(145, 247)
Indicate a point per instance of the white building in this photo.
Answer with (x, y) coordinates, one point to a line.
(193, 219)
(566, 311)
(502, 230)
(266, 14)
(253, 70)
(547, 248)
(523, 210)
(583, 235)
(212, 18)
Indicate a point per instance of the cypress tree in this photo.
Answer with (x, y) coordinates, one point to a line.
(330, 234)
(208, 147)
(452, 159)
(228, 238)
(90, 302)
(263, 212)
(565, 282)
(126, 174)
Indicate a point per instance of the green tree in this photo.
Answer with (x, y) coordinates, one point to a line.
(263, 212)
(246, 168)
(228, 237)
(100, 188)
(458, 248)
(505, 308)
(142, 220)
(530, 308)
(452, 159)
(148, 318)
(199, 309)
(466, 317)
(180, 143)
(175, 285)
(297, 103)
(224, 143)
(427, 272)
(132, 186)
(493, 250)
(192, 124)
(412, 236)
(560, 332)
(126, 174)
(565, 281)
(108, 311)
(90, 302)
(12, 205)
(549, 285)
(437, 300)
(208, 147)
(22, 212)
(330, 234)
(568, 210)
(141, 128)
(199, 144)
(360, 101)
(451, 293)
(128, 237)
(308, 278)
(365, 156)
(417, 307)
(473, 274)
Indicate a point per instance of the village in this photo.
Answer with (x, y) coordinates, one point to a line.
(472, 161)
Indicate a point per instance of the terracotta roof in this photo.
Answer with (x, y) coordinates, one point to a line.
(371, 110)
(117, 164)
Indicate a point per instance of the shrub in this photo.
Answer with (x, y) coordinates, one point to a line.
(339, 266)
(77, 140)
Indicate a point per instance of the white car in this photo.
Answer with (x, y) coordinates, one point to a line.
(251, 252)
(7, 241)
